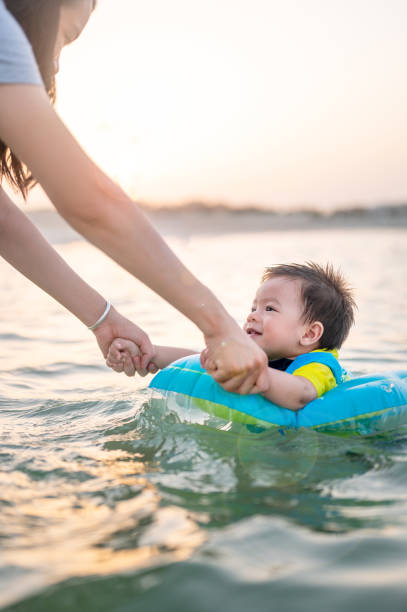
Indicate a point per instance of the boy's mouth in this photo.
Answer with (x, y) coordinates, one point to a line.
(250, 331)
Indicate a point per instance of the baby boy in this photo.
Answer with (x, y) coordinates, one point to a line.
(301, 315)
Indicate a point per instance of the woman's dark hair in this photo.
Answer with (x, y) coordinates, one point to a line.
(40, 22)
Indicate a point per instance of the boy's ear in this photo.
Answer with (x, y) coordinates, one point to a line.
(312, 334)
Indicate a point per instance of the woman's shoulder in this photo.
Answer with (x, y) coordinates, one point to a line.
(17, 62)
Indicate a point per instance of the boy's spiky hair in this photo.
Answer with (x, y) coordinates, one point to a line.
(326, 295)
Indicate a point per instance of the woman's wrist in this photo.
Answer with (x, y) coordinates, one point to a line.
(116, 326)
(212, 318)
(107, 321)
(101, 318)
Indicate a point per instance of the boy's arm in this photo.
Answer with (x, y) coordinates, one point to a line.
(164, 355)
(124, 356)
(288, 391)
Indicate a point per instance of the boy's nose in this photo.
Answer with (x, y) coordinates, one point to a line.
(253, 315)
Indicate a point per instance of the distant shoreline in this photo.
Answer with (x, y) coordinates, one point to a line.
(219, 219)
(203, 218)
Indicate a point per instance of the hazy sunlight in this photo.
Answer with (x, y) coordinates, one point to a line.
(262, 102)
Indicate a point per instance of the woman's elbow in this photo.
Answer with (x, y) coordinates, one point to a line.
(95, 206)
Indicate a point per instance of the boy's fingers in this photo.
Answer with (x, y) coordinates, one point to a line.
(210, 366)
(139, 360)
(113, 353)
(254, 384)
(129, 368)
(128, 357)
(242, 383)
(220, 375)
(232, 384)
(137, 364)
(147, 353)
(255, 390)
(132, 349)
(204, 358)
(117, 367)
(142, 352)
(117, 347)
(223, 377)
(145, 361)
(113, 362)
(247, 386)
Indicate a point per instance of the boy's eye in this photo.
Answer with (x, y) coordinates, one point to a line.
(269, 308)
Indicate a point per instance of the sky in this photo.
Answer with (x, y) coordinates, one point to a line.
(278, 103)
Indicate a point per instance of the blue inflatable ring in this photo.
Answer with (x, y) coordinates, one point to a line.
(366, 405)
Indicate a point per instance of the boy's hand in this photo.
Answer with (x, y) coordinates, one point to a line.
(125, 356)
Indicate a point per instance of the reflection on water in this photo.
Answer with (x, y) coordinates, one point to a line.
(112, 501)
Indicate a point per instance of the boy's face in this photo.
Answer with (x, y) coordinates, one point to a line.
(276, 320)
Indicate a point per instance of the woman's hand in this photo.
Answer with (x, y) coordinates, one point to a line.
(117, 326)
(236, 362)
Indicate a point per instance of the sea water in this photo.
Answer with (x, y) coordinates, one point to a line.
(108, 503)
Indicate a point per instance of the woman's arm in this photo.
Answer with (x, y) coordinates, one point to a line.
(101, 212)
(24, 247)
